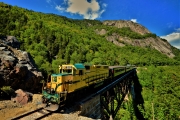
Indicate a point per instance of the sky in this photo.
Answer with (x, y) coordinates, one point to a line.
(161, 17)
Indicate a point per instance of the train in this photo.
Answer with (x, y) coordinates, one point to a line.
(77, 79)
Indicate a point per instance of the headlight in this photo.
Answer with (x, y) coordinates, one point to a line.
(44, 88)
(52, 89)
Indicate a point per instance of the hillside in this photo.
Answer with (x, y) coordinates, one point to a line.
(52, 40)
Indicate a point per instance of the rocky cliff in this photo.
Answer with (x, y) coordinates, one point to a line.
(151, 42)
(16, 67)
(124, 23)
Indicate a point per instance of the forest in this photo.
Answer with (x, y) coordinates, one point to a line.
(160, 94)
(53, 40)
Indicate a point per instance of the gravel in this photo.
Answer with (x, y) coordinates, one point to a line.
(9, 110)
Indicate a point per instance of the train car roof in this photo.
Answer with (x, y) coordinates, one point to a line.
(111, 67)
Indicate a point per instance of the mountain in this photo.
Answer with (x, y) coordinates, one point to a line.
(52, 40)
(151, 40)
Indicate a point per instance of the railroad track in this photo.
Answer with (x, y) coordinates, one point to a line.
(37, 114)
(43, 113)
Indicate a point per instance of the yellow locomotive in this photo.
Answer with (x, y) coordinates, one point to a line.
(73, 78)
(78, 77)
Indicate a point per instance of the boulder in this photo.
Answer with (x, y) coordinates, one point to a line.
(17, 68)
(22, 97)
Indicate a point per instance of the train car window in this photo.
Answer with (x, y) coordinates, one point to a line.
(98, 66)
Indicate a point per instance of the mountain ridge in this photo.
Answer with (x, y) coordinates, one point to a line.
(154, 42)
(52, 40)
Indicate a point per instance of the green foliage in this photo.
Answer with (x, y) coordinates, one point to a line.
(126, 111)
(176, 53)
(53, 40)
(161, 88)
(7, 89)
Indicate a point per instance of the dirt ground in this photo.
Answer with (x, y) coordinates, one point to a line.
(9, 110)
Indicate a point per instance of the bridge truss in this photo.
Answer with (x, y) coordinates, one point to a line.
(112, 96)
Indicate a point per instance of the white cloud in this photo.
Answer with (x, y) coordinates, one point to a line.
(173, 39)
(89, 10)
(134, 20)
(59, 8)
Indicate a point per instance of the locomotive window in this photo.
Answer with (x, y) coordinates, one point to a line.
(87, 67)
(54, 79)
(67, 70)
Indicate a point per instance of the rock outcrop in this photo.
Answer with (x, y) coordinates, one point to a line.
(123, 23)
(155, 43)
(16, 67)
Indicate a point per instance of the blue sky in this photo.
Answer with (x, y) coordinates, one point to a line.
(161, 17)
